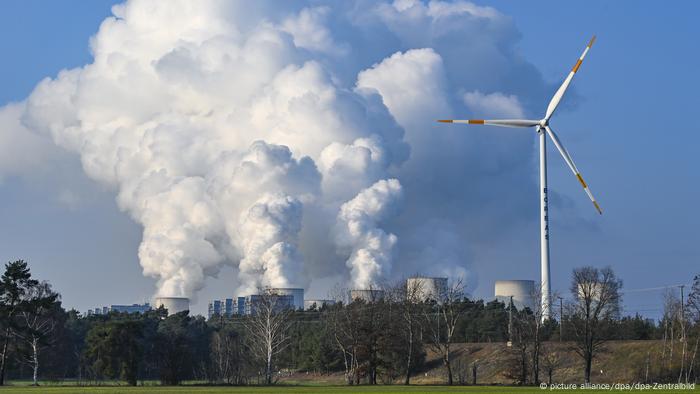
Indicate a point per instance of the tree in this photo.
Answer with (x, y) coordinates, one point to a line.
(372, 324)
(551, 361)
(596, 294)
(181, 348)
(227, 354)
(694, 300)
(536, 329)
(115, 348)
(37, 321)
(15, 283)
(344, 324)
(518, 366)
(693, 305)
(267, 328)
(440, 323)
(407, 298)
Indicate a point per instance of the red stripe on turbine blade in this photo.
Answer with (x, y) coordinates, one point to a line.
(590, 43)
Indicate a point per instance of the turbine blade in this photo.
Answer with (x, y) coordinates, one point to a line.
(570, 162)
(562, 89)
(495, 122)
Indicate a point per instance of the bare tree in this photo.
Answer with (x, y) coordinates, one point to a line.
(440, 322)
(520, 344)
(407, 296)
(527, 332)
(344, 323)
(267, 327)
(535, 331)
(693, 315)
(596, 294)
(226, 355)
(694, 300)
(551, 361)
(37, 322)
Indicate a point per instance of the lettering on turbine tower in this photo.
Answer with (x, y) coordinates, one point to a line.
(546, 214)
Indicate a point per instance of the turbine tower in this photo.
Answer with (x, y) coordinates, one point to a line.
(542, 128)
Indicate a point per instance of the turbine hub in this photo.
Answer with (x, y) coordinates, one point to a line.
(544, 122)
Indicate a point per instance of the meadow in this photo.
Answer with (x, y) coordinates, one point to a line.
(291, 389)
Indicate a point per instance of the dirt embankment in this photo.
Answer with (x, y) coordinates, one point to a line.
(616, 362)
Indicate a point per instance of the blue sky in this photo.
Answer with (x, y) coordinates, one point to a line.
(629, 126)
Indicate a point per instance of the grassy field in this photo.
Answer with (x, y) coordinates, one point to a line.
(291, 389)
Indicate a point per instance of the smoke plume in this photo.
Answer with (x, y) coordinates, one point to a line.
(372, 248)
(270, 137)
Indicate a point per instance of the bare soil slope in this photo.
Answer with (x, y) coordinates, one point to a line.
(618, 362)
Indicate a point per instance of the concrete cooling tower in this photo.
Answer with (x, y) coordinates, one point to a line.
(366, 295)
(173, 304)
(423, 288)
(523, 292)
(296, 293)
(308, 304)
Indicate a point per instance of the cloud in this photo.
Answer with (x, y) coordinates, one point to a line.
(497, 105)
(21, 152)
(242, 136)
(407, 83)
(310, 32)
(372, 249)
(270, 238)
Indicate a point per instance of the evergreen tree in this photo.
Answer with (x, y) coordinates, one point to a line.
(15, 283)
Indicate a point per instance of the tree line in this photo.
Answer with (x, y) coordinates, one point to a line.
(383, 341)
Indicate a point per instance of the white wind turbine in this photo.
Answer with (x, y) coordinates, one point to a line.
(542, 127)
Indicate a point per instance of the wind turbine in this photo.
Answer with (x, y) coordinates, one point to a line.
(542, 127)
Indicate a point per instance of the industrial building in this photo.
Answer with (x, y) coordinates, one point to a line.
(227, 307)
(522, 291)
(424, 288)
(277, 302)
(297, 295)
(133, 308)
(173, 304)
(282, 297)
(366, 295)
(317, 304)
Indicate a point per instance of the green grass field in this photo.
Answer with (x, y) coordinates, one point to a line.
(293, 389)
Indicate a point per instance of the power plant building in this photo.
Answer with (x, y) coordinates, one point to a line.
(522, 291)
(366, 295)
(423, 288)
(278, 303)
(214, 309)
(297, 295)
(317, 304)
(227, 307)
(173, 304)
(133, 308)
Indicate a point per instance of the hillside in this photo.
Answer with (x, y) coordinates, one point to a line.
(618, 362)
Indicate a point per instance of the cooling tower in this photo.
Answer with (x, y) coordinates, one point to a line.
(523, 292)
(318, 303)
(297, 295)
(366, 295)
(592, 290)
(423, 288)
(173, 304)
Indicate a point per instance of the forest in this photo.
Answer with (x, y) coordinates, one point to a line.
(366, 342)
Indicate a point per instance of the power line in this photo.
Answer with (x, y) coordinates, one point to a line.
(651, 288)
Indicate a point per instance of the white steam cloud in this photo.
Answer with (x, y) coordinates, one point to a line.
(372, 248)
(241, 134)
